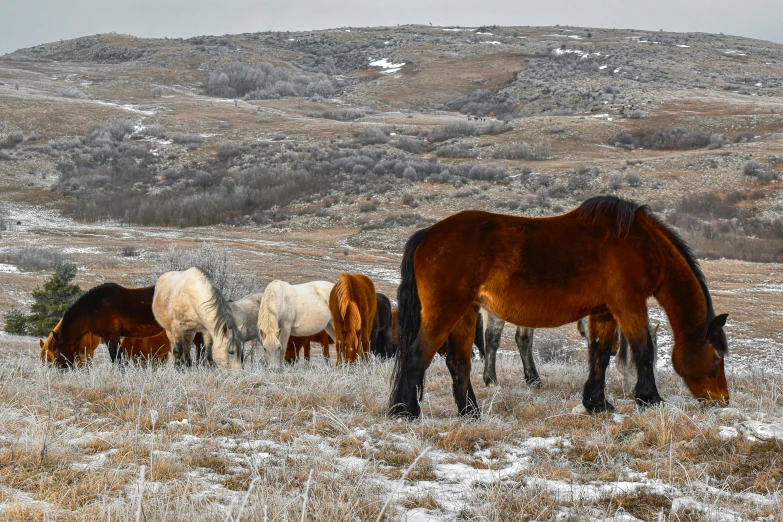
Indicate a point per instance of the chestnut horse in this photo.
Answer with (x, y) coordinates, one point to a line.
(353, 303)
(87, 345)
(603, 259)
(144, 350)
(109, 311)
(296, 344)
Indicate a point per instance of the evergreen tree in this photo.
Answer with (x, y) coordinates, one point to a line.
(51, 301)
(16, 322)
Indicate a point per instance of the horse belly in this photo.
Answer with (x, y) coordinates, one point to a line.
(537, 306)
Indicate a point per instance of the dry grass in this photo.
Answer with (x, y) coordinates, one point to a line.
(74, 443)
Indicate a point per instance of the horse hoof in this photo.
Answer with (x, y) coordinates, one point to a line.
(599, 407)
(647, 402)
(471, 413)
(535, 383)
(490, 382)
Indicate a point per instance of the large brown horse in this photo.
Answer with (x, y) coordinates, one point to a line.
(353, 304)
(110, 311)
(146, 350)
(87, 345)
(604, 259)
(296, 344)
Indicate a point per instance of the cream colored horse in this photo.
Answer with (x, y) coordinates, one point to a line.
(186, 303)
(287, 310)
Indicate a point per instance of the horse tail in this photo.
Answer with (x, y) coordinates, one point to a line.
(408, 318)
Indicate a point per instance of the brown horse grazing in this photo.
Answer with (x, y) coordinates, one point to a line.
(145, 350)
(352, 303)
(110, 311)
(604, 259)
(296, 344)
(87, 345)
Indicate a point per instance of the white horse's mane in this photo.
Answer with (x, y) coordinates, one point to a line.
(266, 320)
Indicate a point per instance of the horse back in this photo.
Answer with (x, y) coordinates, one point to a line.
(541, 272)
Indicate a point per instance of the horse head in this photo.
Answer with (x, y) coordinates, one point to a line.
(704, 372)
(47, 352)
(228, 347)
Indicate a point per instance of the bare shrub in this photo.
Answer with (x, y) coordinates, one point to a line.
(636, 114)
(130, 251)
(264, 81)
(615, 181)
(460, 150)
(216, 260)
(185, 138)
(634, 179)
(344, 114)
(752, 168)
(717, 141)
(669, 138)
(32, 258)
(372, 136)
(542, 196)
(76, 93)
(399, 220)
(158, 91)
(226, 151)
(458, 129)
(409, 144)
(370, 206)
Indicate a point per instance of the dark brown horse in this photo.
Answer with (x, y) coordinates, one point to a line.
(381, 335)
(352, 302)
(297, 344)
(604, 259)
(110, 311)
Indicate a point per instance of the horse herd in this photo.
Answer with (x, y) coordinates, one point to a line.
(601, 261)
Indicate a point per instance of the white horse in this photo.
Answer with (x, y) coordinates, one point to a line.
(186, 303)
(288, 310)
(245, 312)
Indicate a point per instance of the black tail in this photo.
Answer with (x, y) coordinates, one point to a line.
(408, 326)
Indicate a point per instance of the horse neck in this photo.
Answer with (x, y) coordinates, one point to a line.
(686, 306)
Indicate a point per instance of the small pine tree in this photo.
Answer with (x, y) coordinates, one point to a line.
(51, 301)
(16, 322)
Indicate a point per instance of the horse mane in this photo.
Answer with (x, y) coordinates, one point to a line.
(265, 319)
(622, 211)
(219, 304)
(345, 298)
(690, 257)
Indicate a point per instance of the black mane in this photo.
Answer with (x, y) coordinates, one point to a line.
(622, 210)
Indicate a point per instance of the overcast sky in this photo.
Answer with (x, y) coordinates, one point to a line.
(24, 23)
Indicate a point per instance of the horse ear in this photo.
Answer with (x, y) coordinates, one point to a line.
(40, 341)
(719, 321)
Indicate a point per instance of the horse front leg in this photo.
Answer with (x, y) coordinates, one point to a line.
(524, 340)
(458, 361)
(644, 355)
(602, 329)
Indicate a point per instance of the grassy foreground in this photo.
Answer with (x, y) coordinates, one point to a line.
(263, 445)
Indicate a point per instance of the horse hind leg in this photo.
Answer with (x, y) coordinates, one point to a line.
(458, 361)
(493, 329)
(524, 340)
(602, 331)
